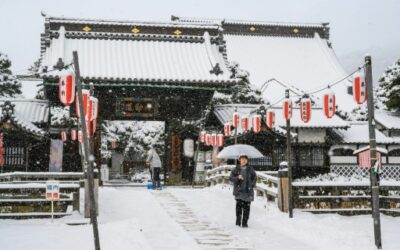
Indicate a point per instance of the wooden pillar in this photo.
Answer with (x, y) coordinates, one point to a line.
(283, 190)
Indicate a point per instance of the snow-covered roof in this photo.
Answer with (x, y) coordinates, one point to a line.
(27, 114)
(388, 119)
(243, 22)
(358, 133)
(297, 54)
(120, 56)
(304, 63)
(225, 112)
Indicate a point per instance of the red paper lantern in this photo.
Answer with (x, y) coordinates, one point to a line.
(73, 135)
(66, 87)
(329, 104)
(235, 120)
(359, 88)
(208, 139)
(227, 129)
(305, 109)
(270, 118)
(287, 108)
(256, 123)
(245, 123)
(203, 136)
(220, 140)
(213, 140)
(86, 103)
(93, 108)
(94, 123)
(63, 136)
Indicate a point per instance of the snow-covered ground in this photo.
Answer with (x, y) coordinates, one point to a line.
(185, 218)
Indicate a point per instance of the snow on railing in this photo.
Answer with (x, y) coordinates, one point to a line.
(267, 183)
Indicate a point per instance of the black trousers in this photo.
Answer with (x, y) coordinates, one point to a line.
(156, 178)
(242, 212)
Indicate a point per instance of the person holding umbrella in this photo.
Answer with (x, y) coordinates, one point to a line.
(244, 179)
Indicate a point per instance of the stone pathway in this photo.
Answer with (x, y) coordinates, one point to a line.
(208, 236)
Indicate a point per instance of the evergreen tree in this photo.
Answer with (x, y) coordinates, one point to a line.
(34, 70)
(389, 86)
(242, 92)
(9, 84)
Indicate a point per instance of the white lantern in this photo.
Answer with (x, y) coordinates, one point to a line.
(66, 87)
(256, 123)
(329, 104)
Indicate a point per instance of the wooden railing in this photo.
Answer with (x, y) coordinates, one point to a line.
(344, 197)
(22, 194)
(267, 182)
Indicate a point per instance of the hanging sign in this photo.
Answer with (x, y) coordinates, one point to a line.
(235, 120)
(329, 104)
(73, 135)
(86, 103)
(270, 118)
(256, 123)
(359, 88)
(305, 109)
(227, 129)
(63, 136)
(287, 108)
(220, 140)
(66, 87)
(245, 123)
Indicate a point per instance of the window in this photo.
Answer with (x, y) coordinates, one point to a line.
(311, 156)
(14, 156)
(395, 152)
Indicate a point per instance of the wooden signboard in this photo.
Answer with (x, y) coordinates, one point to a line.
(136, 107)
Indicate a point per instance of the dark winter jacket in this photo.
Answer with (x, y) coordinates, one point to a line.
(243, 189)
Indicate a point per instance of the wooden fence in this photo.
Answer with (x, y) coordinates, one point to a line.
(22, 194)
(320, 197)
(267, 182)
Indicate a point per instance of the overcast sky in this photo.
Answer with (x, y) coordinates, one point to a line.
(357, 26)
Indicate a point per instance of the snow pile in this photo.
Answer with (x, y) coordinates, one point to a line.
(332, 178)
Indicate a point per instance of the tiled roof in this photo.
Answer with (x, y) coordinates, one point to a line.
(358, 133)
(28, 113)
(388, 119)
(318, 120)
(303, 59)
(150, 58)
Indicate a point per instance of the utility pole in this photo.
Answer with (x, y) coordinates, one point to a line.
(289, 160)
(372, 145)
(87, 156)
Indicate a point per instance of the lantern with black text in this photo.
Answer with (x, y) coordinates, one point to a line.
(220, 140)
(287, 108)
(270, 118)
(329, 104)
(208, 139)
(245, 123)
(66, 87)
(235, 120)
(73, 135)
(227, 129)
(85, 97)
(359, 88)
(213, 140)
(203, 136)
(63, 136)
(256, 123)
(305, 109)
